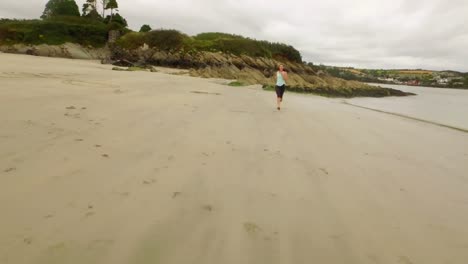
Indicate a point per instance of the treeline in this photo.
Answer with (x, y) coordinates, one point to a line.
(173, 40)
(62, 22)
(54, 31)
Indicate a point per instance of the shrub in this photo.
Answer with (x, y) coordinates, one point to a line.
(166, 39)
(236, 84)
(227, 43)
(116, 19)
(132, 40)
(60, 8)
(145, 28)
(54, 31)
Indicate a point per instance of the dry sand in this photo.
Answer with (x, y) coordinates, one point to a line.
(98, 166)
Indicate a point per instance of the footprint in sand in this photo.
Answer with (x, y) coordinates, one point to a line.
(70, 108)
(175, 194)
(105, 156)
(48, 216)
(148, 182)
(27, 241)
(251, 228)
(79, 139)
(324, 171)
(9, 170)
(88, 214)
(97, 146)
(208, 208)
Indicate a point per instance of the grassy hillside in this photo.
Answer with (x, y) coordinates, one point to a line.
(171, 40)
(443, 79)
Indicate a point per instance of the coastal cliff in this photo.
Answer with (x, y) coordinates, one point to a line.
(246, 70)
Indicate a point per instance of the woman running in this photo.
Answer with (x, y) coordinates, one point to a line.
(281, 78)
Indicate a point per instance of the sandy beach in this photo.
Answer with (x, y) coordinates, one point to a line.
(99, 166)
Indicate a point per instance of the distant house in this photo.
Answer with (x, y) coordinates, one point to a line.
(386, 79)
(443, 81)
(413, 82)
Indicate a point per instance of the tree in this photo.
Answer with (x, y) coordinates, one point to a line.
(94, 15)
(145, 28)
(116, 19)
(104, 4)
(112, 4)
(90, 10)
(55, 8)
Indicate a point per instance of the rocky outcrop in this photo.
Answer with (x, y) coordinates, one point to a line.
(248, 70)
(67, 50)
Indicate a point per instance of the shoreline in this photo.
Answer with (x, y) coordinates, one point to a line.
(420, 86)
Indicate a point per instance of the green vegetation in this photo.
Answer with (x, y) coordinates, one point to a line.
(214, 42)
(112, 5)
(443, 79)
(54, 31)
(165, 39)
(239, 45)
(55, 8)
(61, 22)
(116, 21)
(145, 28)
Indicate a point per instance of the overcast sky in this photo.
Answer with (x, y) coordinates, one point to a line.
(430, 34)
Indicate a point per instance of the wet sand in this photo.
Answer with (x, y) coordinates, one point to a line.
(98, 166)
(446, 107)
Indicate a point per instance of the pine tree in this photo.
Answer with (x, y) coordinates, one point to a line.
(112, 4)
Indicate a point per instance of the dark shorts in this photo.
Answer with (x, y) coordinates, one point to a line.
(280, 90)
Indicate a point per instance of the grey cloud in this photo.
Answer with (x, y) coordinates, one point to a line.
(361, 33)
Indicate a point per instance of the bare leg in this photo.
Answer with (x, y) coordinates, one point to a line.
(278, 102)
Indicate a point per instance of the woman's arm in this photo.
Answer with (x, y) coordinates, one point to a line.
(285, 75)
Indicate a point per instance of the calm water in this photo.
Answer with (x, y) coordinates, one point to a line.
(445, 106)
